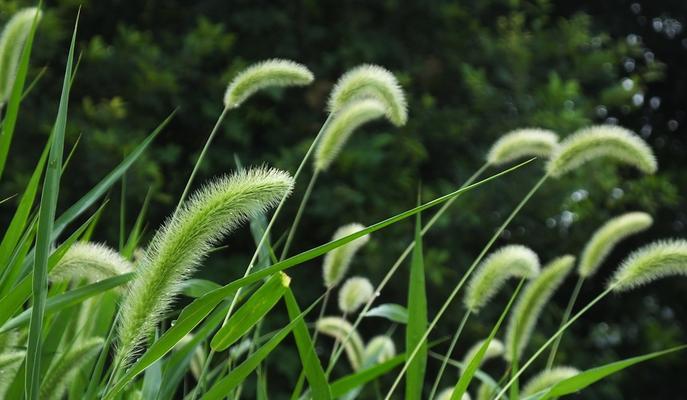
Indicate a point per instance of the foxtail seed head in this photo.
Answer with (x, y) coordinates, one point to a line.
(547, 378)
(652, 262)
(607, 237)
(90, 261)
(337, 261)
(379, 349)
(448, 392)
(340, 329)
(371, 81)
(528, 142)
(268, 73)
(12, 40)
(355, 292)
(65, 368)
(184, 240)
(495, 349)
(506, 262)
(601, 141)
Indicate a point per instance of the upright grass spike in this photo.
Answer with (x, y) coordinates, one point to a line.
(378, 350)
(652, 262)
(183, 242)
(608, 141)
(507, 262)
(65, 368)
(531, 302)
(495, 349)
(337, 261)
(339, 329)
(521, 143)
(448, 392)
(351, 117)
(90, 261)
(265, 74)
(371, 81)
(547, 378)
(12, 40)
(355, 292)
(607, 237)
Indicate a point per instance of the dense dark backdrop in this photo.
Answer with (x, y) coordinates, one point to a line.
(472, 70)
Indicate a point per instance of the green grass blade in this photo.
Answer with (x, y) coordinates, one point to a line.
(344, 385)
(469, 372)
(152, 379)
(137, 229)
(393, 312)
(417, 318)
(319, 387)
(10, 121)
(44, 236)
(198, 287)
(252, 311)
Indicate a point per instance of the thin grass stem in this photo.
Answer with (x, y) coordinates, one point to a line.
(566, 316)
(299, 214)
(448, 354)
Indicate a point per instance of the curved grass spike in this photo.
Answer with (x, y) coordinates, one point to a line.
(607, 141)
(183, 242)
(355, 292)
(337, 261)
(507, 262)
(65, 368)
(378, 350)
(448, 392)
(607, 237)
(547, 378)
(495, 349)
(90, 261)
(370, 81)
(522, 143)
(339, 329)
(342, 126)
(265, 74)
(12, 40)
(652, 262)
(530, 304)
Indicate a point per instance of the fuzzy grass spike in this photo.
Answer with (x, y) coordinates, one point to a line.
(495, 349)
(531, 302)
(12, 40)
(183, 242)
(601, 141)
(519, 143)
(340, 329)
(65, 368)
(506, 262)
(337, 261)
(652, 262)
(607, 237)
(355, 292)
(448, 392)
(371, 81)
(265, 74)
(547, 378)
(90, 261)
(379, 349)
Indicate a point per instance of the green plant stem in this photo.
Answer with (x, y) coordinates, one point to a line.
(448, 354)
(566, 316)
(299, 214)
(402, 258)
(553, 338)
(215, 129)
(455, 291)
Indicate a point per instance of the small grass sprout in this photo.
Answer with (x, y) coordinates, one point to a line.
(654, 261)
(379, 349)
(184, 241)
(12, 40)
(342, 331)
(337, 261)
(90, 261)
(506, 262)
(547, 378)
(371, 81)
(355, 292)
(607, 237)
(265, 74)
(607, 141)
(519, 143)
(531, 302)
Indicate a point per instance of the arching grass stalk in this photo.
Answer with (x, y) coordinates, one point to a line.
(448, 353)
(457, 288)
(566, 315)
(299, 214)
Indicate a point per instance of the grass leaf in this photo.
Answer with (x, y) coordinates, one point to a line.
(392, 312)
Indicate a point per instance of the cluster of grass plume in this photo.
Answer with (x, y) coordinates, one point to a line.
(12, 40)
(354, 293)
(652, 262)
(522, 143)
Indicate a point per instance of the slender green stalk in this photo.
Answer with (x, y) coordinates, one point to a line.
(455, 291)
(566, 316)
(403, 256)
(299, 214)
(448, 354)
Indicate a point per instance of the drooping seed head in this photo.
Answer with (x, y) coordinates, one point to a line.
(495, 349)
(547, 378)
(519, 143)
(355, 292)
(485, 391)
(601, 141)
(184, 241)
(340, 329)
(531, 302)
(506, 262)
(657, 260)
(12, 40)
(265, 74)
(337, 261)
(607, 237)
(447, 393)
(89, 261)
(65, 368)
(344, 123)
(379, 349)
(371, 81)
